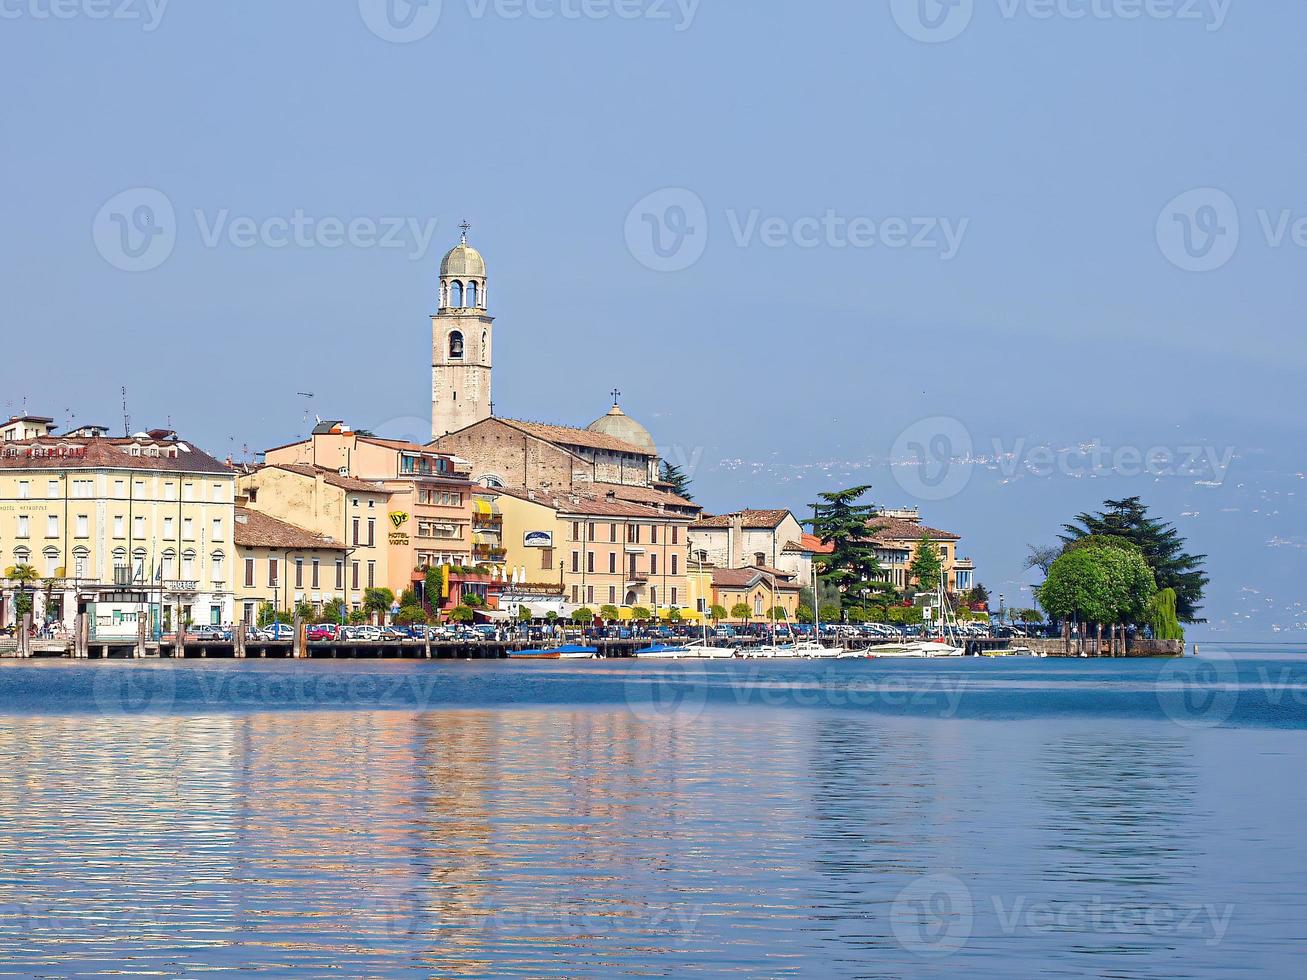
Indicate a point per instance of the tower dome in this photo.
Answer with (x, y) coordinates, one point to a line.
(463, 260)
(619, 425)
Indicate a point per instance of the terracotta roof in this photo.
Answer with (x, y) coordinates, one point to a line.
(330, 477)
(587, 505)
(745, 578)
(645, 495)
(810, 542)
(84, 453)
(753, 520)
(565, 435)
(255, 530)
(897, 529)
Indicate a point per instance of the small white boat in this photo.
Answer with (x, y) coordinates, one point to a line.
(916, 648)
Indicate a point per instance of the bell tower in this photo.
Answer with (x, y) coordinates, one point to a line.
(461, 354)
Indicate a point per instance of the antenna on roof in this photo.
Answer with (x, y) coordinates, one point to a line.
(308, 398)
(127, 419)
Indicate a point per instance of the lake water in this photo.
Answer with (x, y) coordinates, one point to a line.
(983, 818)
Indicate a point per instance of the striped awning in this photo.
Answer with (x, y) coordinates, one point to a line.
(488, 508)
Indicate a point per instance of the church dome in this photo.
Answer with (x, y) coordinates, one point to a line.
(463, 261)
(619, 425)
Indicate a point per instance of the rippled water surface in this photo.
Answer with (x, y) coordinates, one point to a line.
(979, 818)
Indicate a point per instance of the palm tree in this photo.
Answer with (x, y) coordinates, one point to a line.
(24, 575)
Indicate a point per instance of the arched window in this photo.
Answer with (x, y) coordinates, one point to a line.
(757, 604)
(455, 294)
(80, 557)
(456, 344)
(22, 556)
(485, 338)
(472, 294)
(759, 559)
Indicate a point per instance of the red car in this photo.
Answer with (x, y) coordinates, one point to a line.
(324, 631)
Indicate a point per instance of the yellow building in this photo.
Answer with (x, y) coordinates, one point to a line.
(760, 589)
(354, 514)
(122, 529)
(604, 551)
(282, 565)
(896, 537)
(429, 513)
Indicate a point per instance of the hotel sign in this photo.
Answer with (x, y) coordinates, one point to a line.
(181, 585)
(539, 539)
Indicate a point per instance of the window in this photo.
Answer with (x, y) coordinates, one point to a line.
(314, 578)
(653, 596)
(188, 566)
(272, 573)
(340, 575)
(188, 529)
(372, 532)
(653, 534)
(80, 557)
(590, 594)
(83, 489)
(188, 491)
(612, 563)
(52, 488)
(52, 526)
(83, 526)
(472, 294)
(590, 561)
(372, 575)
(653, 563)
(51, 564)
(675, 563)
(546, 559)
(138, 528)
(23, 530)
(120, 489)
(456, 294)
(215, 564)
(217, 529)
(170, 491)
(576, 561)
(576, 532)
(299, 573)
(612, 532)
(119, 526)
(354, 575)
(24, 489)
(593, 533)
(612, 595)
(167, 529)
(757, 604)
(676, 534)
(356, 528)
(674, 596)
(219, 494)
(166, 566)
(456, 345)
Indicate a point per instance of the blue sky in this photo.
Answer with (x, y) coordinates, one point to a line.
(885, 231)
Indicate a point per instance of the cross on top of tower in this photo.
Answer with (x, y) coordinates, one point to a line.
(466, 228)
(616, 395)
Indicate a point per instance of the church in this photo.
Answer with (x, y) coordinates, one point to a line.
(614, 455)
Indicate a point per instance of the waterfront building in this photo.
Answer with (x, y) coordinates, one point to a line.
(428, 518)
(488, 532)
(282, 565)
(760, 588)
(123, 529)
(771, 538)
(600, 549)
(324, 503)
(896, 534)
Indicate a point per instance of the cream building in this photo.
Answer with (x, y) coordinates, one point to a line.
(354, 514)
(771, 538)
(603, 550)
(122, 529)
(282, 565)
(427, 520)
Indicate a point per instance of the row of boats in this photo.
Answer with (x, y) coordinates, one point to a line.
(801, 649)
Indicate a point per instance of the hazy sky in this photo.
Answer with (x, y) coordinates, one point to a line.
(806, 241)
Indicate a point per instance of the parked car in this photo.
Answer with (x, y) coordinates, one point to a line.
(205, 632)
(278, 631)
(321, 632)
(362, 634)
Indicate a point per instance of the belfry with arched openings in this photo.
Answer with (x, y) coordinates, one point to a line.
(462, 356)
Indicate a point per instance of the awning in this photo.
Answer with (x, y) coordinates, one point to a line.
(494, 615)
(485, 507)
